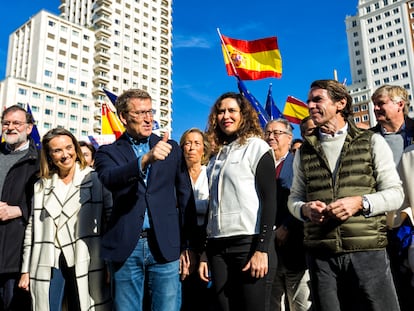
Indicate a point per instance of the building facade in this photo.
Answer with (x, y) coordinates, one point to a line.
(381, 51)
(61, 64)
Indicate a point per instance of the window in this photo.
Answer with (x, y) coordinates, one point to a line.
(49, 98)
(36, 95)
(61, 64)
(364, 107)
(74, 105)
(48, 112)
(73, 117)
(62, 101)
(61, 114)
(72, 80)
(22, 91)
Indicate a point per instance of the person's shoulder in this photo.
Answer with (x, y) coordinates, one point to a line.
(257, 144)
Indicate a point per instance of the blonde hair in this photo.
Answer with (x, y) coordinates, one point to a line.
(206, 144)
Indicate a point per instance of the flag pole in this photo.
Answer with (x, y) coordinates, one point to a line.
(228, 54)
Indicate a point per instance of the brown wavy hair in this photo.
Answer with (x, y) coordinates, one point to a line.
(249, 122)
(47, 168)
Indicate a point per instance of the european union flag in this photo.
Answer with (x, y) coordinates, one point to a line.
(271, 108)
(263, 116)
(35, 132)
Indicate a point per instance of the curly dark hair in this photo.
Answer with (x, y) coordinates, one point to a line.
(249, 123)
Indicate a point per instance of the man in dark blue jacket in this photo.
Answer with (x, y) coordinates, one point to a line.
(152, 195)
(19, 165)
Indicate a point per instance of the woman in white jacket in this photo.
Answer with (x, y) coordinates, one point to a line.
(62, 241)
(242, 205)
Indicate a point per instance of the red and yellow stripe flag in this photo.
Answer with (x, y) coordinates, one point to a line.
(252, 60)
(295, 110)
(110, 124)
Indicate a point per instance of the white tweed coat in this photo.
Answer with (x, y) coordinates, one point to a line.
(77, 222)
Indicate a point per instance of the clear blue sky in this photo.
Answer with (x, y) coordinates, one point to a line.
(311, 37)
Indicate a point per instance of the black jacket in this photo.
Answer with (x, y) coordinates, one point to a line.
(17, 190)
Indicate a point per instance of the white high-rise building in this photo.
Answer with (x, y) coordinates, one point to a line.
(381, 51)
(60, 65)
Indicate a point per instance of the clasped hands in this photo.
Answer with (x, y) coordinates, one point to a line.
(318, 212)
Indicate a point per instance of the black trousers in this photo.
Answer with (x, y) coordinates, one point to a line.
(236, 290)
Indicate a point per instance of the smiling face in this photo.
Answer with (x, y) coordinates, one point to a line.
(138, 118)
(229, 116)
(325, 112)
(15, 129)
(388, 112)
(62, 153)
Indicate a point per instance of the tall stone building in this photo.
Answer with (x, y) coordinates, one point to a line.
(381, 51)
(61, 64)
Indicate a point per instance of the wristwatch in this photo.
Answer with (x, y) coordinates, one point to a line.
(366, 206)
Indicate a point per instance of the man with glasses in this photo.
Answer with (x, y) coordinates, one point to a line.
(19, 165)
(153, 200)
(289, 282)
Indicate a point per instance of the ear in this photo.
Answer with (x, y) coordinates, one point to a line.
(341, 104)
(123, 120)
(401, 105)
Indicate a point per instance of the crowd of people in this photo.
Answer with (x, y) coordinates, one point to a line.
(234, 218)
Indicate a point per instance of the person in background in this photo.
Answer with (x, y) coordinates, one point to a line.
(296, 143)
(242, 207)
(344, 181)
(196, 151)
(306, 126)
(391, 103)
(88, 151)
(406, 213)
(153, 212)
(61, 259)
(290, 285)
(19, 165)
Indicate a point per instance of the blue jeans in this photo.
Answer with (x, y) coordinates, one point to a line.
(141, 278)
(358, 281)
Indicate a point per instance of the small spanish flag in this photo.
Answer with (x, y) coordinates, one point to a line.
(252, 60)
(110, 124)
(295, 110)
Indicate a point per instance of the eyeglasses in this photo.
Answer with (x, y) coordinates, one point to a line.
(276, 133)
(141, 114)
(16, 124)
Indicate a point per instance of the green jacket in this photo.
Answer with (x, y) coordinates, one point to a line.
(355, 176)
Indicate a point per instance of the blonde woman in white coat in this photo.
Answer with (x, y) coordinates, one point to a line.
(62, 241)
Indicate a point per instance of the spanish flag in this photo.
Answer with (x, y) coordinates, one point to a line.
(295, 110)
(252, 60)
(110, 124)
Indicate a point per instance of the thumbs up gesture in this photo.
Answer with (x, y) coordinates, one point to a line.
(162, 149)
(158, 153)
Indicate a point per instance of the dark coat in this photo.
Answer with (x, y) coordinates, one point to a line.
(292, 254)
(168, 197)
(18, 191)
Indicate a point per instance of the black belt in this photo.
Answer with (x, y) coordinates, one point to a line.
(144, 234)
